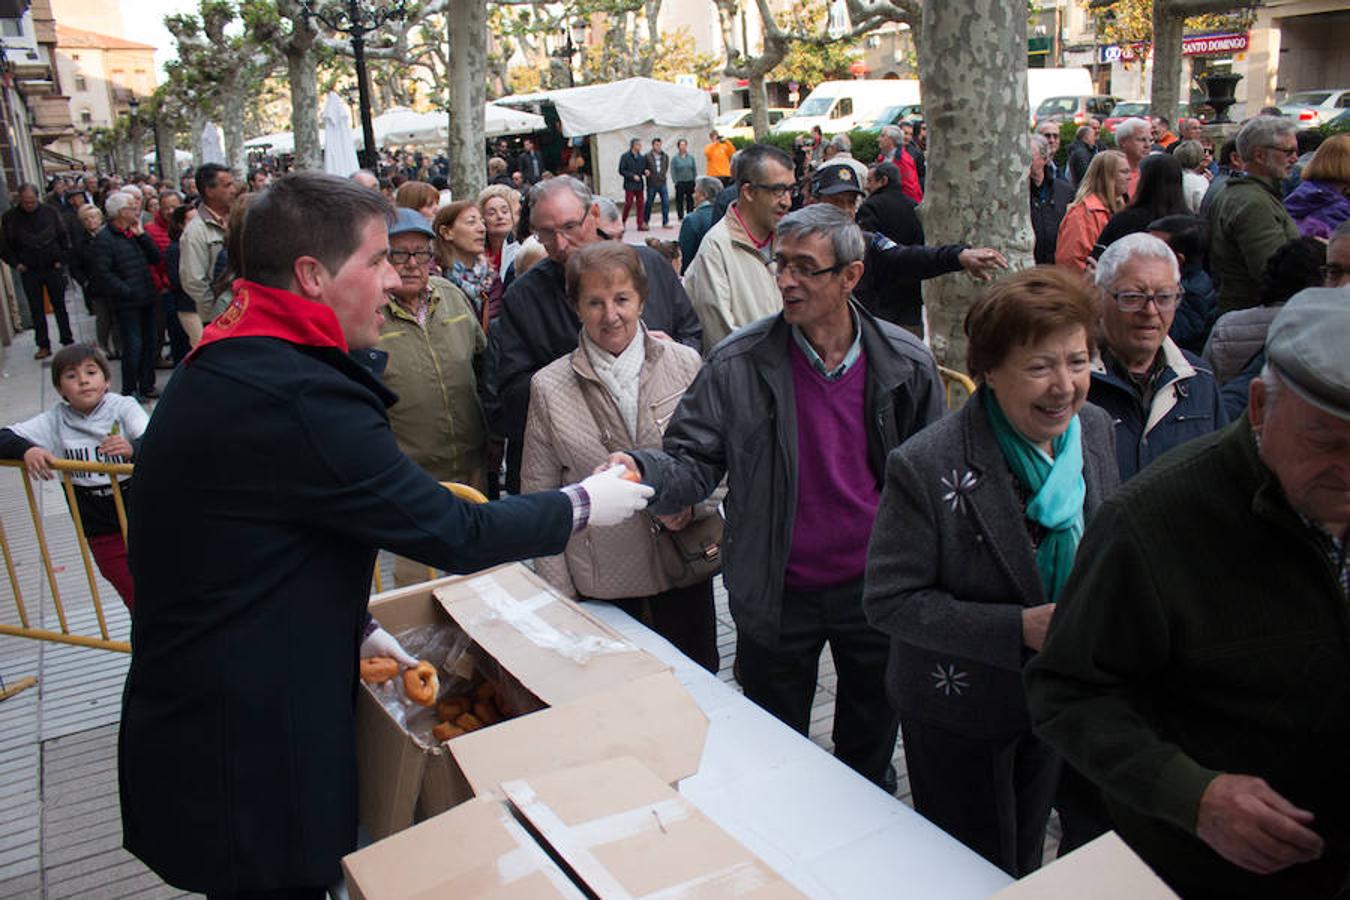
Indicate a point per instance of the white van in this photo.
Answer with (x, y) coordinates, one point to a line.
(845, 105)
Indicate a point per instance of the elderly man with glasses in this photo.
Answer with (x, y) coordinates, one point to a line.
(538, 324)
(1049, 132)
(798, 412)
(1248, 221)
(729, 281)
(1159, 395)
(434, 350)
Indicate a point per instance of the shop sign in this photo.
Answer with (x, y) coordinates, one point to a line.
(1212, 44)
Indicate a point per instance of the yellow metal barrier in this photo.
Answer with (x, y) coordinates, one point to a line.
(954, 383)
(67, 470)
(104, 641)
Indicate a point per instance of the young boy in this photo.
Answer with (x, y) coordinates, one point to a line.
(89, 425)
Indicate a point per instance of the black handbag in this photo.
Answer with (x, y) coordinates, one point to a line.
(689, 556)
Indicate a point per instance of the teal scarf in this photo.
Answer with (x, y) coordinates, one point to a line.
(1057, 491)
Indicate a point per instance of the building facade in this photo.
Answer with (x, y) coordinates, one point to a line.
(101, 74)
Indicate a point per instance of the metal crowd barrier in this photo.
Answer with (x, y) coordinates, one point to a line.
(67, 470)
(953, 384)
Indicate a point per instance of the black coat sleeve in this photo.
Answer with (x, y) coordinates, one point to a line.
(672, 312)
(106, 279)
(12, 446)
(901, 263)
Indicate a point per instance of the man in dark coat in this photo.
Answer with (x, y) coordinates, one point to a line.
(1050, 199)
(697, 223)
(529, 163)
(1081, 151)
(123, 256)
(266, 482)
(37, 246)
(537, 323)
(632, 169)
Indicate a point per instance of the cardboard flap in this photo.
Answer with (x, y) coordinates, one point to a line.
(513, 614)
(652, 719)
(624, 833)
(385, 804)
(1103, 869)
(475, 850)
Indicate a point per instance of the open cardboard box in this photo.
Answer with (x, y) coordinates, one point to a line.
(1102, 869)
(476, 849)
(596, 696)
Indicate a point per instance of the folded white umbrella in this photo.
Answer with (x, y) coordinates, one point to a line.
(339, 150)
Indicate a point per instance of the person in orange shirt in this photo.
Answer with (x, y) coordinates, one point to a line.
(1100, 195)
(718, 154)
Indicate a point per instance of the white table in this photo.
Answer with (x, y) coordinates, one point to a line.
(821, 825)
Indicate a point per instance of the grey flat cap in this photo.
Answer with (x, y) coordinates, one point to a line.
(410, 220)
(1309, 345)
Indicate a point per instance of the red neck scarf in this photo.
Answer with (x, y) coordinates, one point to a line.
(261, 311)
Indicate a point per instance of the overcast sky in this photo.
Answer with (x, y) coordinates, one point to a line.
(143, 20)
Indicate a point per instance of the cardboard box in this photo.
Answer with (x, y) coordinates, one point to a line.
(1103, 869)
(621, 832)
(475, 850)
(596, 695)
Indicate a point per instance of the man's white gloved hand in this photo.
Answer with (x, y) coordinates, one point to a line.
(382, 643)
(613, 498)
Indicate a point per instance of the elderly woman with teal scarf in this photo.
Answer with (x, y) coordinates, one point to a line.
(975, 537)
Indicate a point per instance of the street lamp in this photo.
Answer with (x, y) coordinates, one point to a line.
(134, 105)
(573, 34)
(351, 18)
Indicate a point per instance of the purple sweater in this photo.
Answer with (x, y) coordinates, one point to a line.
(837, 495)
(1317, 207)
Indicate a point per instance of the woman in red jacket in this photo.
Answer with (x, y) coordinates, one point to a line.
(1100, 195)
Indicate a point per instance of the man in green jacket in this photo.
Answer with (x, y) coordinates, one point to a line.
(1247, 221)
(1198, 666)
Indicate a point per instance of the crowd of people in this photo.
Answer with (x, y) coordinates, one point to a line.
(1075, 593)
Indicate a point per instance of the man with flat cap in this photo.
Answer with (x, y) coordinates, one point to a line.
(1198, 665)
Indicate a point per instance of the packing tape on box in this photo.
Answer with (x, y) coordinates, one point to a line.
(736, 879)
(524, 617)
(527, 858)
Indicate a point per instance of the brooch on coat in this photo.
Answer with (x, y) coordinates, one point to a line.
(959, 487)
(949, 680)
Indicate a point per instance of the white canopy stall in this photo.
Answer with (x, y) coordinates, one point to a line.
(613, 114)
(400, 126)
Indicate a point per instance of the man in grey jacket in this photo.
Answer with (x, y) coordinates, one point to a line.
(202, 241)
(798, 412)
(657, 172)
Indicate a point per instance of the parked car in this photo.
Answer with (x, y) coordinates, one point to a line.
(1313, 108)
(1129, 109)
(1076, 108)
(845, 105)
(894, 115)
(736, 122)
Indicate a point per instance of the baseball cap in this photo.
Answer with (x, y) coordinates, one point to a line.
(835, 179)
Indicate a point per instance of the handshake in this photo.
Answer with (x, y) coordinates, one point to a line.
(615, 490)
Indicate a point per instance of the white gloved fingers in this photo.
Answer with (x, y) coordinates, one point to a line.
(382, 643)
(613, 499)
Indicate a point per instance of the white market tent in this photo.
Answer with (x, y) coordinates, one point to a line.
(400, 126)
(613, 114)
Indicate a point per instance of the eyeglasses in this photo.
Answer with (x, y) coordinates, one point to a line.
(778, 190)
(1333, 275)
(1133, 301)
(567, 230)
(780, 266)
(401, 257)
(1287, 151)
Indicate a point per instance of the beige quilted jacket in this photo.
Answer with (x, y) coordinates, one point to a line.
(563, 444)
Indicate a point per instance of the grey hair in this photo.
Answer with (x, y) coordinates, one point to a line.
(1260, 132)
(1270, 377)
(893, 132)
(609, 210)
(1341, 233)
(1190, 154)
(1083, 132)
(1141, 244)
(1038, 146)
(169, 192)
(845, 236)
(707, 186)
(841, 142)
(1130, 127)
(550, 186)
(118, 201)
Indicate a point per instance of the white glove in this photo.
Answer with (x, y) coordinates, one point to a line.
(382, 643)
(614, 499)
